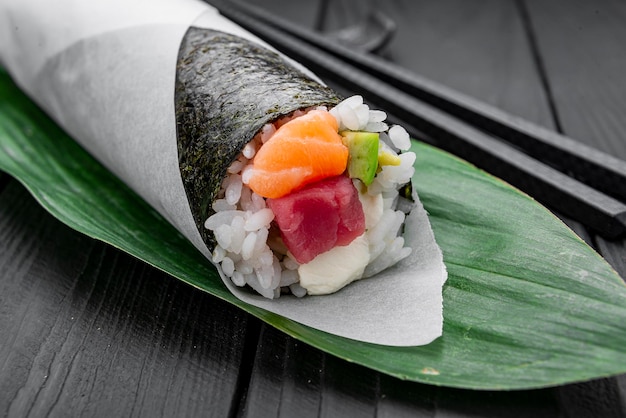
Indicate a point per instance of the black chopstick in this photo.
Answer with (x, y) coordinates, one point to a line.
(589, 165)
(600, 212)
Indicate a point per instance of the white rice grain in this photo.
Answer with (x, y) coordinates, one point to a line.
(267, 132)
(288, 277)
(297, 290)
(221, 218)
(260, 243)
(218, 254)
(228, 266)
(237, 165)
(233, 190)
(253, 281)
(390, 202)
(393, 254)
(407, 159)
(259, 219)
(290, 263)
(363, 115)
(352, 101)
(400, 137)
(265, 274)
(249, 150)
(244, 267)
(397, 221)
(375, 127)
(246, 174)
(238, 235)
(266, 258)
(349, 118)
(381, 182)
(238, 279)
(381, 230)
(377, 116)
(277, 274)
(223, 235)
(221, 205)
(258, 202)
(247, 248)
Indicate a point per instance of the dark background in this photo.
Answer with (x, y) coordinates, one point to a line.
(86, 330)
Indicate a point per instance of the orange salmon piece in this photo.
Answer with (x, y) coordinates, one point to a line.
(302, 151)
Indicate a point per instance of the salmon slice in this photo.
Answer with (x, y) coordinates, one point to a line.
(302, 151)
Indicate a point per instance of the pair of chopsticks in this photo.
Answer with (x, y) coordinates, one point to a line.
(578, 181)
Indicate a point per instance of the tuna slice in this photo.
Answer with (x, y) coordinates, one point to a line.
(319, 217)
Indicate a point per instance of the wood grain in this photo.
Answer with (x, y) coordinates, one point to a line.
(577, 43)
(291, 379)
(581, 44)
(478, 48)
(91, 330)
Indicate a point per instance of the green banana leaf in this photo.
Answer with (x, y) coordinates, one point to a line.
(527, 303)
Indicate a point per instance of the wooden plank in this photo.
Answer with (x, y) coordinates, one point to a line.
(577, 43)
(293, 379)
(599, 398)
(88, 330)
(581, 44)
(476, 48)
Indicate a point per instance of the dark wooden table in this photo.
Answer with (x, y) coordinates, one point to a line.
(86, 330)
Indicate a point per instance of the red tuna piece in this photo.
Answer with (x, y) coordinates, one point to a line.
(319, 217)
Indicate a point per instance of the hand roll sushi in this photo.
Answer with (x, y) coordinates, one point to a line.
(313, 199)
(286, 187)
(311, 214)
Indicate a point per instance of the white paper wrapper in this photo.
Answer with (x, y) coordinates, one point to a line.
(105, 71)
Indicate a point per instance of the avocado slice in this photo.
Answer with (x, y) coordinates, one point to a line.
(387, 156)
(363, 154)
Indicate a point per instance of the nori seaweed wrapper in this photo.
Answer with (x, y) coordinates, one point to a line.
(227, 88)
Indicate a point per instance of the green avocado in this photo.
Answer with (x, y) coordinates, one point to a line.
(363, 155)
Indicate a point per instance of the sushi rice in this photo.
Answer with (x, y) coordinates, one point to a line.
(249, 249)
